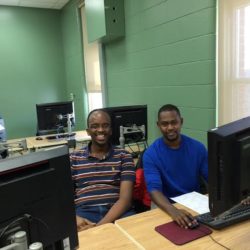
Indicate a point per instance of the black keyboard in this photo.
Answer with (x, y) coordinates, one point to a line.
(59, 136)
(235, 215)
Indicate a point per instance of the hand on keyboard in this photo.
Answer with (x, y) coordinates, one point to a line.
(246, 201)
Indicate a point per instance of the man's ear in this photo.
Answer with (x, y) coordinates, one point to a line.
(87, 130)
(157, 123)
(182, 121)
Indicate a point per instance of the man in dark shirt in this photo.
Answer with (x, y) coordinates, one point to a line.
(103, 176)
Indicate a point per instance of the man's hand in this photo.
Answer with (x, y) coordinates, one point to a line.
(83, 224)
(182, 217)
(246, 201)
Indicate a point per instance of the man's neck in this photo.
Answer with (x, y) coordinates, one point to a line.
(173, 144)
(99, 151)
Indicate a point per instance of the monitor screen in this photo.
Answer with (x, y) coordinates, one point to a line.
(3, 150)
(228, 165)
(52, 117)
(37, 197)
(133, 119)
(2, 130)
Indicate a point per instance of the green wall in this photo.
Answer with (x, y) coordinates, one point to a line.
(31, 64)
(41, 61)
(167, 56)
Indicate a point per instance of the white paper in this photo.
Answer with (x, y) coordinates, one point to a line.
(195, 201)
(1, 127)
(80, 138)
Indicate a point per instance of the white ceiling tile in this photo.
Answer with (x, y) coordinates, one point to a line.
(63, 1)
(35, 4)
(9, 2)
(54, 4)
(58, 5)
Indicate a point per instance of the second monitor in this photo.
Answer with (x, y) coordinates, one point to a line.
(129, 124)
(229, 165)
(53, 118)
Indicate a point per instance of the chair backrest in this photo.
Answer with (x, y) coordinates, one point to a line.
(141, 197)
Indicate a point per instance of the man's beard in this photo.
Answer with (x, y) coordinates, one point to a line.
(172, 139)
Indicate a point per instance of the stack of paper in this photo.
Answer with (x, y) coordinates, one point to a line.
(195, 201)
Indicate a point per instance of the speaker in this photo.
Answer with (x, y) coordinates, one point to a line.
(105, 20)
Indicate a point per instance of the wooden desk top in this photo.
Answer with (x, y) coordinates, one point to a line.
(33, 143)
(105, 237)
(140, 228)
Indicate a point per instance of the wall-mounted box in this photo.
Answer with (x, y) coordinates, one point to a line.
(105, 19)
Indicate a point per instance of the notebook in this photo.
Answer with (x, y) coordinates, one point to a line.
(179, 235)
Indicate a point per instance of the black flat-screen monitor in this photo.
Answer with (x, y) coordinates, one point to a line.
(133, 119)
(228, 165)
(3, 136)
(37, 197)
(52, 117)
(3, 150)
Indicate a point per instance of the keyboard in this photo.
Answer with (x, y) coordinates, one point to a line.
(233, 216)
(60, 136)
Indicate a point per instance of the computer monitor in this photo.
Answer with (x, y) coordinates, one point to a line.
(3, 136)
(129, 124)
(37, 197)
(228, 165)
(52, 117)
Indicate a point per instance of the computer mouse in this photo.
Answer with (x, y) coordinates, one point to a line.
(39, 138)
(194, 225)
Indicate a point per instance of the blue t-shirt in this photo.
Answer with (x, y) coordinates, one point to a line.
(175, 171)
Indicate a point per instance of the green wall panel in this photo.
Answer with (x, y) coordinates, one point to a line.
(202, 72)
(141, 15)
(189, 50)
(137, 6)
(176, 30)
(180, 95)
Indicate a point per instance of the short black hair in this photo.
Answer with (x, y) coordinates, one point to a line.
(97, 110)
(168, 107)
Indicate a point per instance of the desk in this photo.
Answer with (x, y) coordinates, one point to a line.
(105, 237)
(140, 229)
(33, 143)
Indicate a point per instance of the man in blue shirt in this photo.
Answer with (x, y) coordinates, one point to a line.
(173, 165)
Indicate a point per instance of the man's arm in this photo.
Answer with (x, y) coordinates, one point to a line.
(181, 216)
(122, 205)
(154, 186)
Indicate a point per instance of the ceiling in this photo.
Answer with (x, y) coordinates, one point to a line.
(48, 4)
